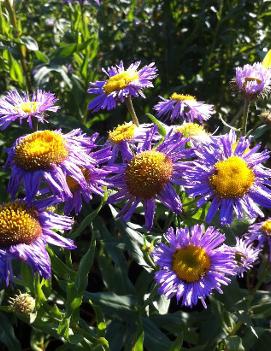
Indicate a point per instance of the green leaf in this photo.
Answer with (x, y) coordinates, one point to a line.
(41, 56)
(75, 289)
(63, 328)
(154, 338)
(113, 304)
(139, 343)
(177, 345)
(66, 50)
(161, 128)
(16, 72)
(234, 343)
(7, 336)
(84, 268)
(88, 219)
(59, 267)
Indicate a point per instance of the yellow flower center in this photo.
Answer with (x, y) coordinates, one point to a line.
(73, 184)
(232, 178)
(29, 106)
(182, 97)
(40, 150)
(18, 224)
(147, 173)
(120, 81)
(191, 130)
(190, 263)
(266, 227)
(122, 132)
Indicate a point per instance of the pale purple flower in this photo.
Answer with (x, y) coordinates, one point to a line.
(192, 264)
(22, 106)
(245, 255)
(25, 230)
(184, 108)
(45, 159)
(149, 174)
(260, 235)
(231, 175)
(253, 80)
(121, 84)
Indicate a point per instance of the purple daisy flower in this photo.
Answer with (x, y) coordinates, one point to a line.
(184, 107)
(261, 234)
(253, 80)
(245, 255)
(230, 175)
(95, 179)
(192, 264)
(25, 230)
(121, 84)
(15, 106)
(149, 174)
(126, 136)
(45, 159)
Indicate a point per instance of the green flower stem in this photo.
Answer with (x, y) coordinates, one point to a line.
(12, 15)
(131, 110)
(245, 116)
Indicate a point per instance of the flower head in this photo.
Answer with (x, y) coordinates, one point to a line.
(260, 233)
(230, 175)
(184, 107)
(192, 264)
(45, 158)
(25, 230)
(245, 255)
(252, 80)
(16, 106)
(120, 84)
(23, 303)
(149, 174)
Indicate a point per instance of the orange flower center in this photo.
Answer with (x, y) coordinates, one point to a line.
(190, 263)
(40, 150)
(147, 173)
(18, 224)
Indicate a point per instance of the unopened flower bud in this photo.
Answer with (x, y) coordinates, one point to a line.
(23, 303)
